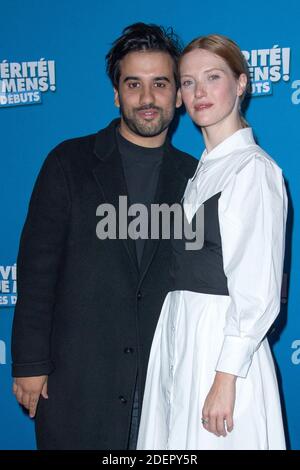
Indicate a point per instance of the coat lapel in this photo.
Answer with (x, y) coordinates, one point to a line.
(109, 175)
(170, 189)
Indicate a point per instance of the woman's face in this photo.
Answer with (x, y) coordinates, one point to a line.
(209, 89)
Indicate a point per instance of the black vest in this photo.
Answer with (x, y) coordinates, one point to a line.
(201, 270)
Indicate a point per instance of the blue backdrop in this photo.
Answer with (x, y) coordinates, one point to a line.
(53, 86)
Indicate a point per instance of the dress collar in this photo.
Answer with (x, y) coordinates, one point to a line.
(238, 140)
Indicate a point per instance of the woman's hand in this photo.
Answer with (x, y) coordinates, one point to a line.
(219, 405)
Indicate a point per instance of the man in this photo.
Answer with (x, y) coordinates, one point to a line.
(88, 307)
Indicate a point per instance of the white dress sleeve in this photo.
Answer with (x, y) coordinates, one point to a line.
(252, 215)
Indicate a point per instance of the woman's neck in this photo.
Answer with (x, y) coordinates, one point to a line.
(215, 134)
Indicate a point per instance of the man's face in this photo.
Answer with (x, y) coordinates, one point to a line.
(147, 94)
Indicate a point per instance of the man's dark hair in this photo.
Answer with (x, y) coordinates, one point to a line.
(142, 37)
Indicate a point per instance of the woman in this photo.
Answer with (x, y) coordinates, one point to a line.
(211, 381)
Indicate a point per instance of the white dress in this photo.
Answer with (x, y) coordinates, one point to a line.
(198, 334)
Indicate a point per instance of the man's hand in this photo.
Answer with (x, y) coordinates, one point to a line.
(28, 391)
(219, 405)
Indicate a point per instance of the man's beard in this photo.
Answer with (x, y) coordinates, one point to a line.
(142, 127)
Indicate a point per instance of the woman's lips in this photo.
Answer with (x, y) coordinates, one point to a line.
(202, 107)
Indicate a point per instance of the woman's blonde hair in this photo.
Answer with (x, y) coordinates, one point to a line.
(228, 50)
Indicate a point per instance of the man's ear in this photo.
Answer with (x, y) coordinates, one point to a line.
(116, 98)
(178, 98)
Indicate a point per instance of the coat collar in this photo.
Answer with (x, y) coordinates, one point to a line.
(105, 141)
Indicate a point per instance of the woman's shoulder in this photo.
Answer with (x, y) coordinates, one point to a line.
(254, 158)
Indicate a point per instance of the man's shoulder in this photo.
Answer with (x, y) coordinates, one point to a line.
(86, 145)
(186, 162)
(77, 145)
(185, 157)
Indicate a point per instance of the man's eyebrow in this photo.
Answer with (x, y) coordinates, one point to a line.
(130, 78)
(157, 79)
(166, 79)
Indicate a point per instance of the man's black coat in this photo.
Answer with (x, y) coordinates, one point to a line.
(86, 314)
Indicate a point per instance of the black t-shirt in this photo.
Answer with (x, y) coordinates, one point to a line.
(142, 168)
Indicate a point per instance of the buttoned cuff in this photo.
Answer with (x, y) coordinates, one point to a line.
(236, 355)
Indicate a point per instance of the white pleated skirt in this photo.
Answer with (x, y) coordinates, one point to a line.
(184, 353)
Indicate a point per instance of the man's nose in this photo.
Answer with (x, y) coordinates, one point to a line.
(147, 95)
